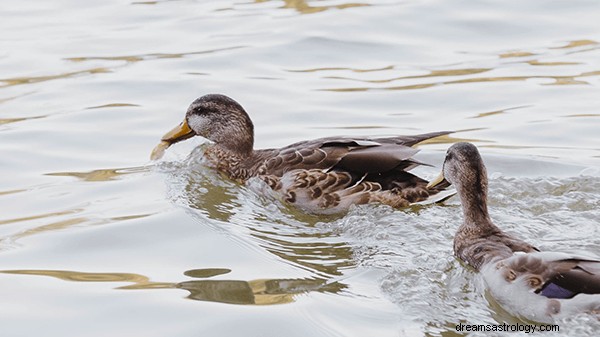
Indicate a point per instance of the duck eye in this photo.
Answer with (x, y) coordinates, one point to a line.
(449, 156)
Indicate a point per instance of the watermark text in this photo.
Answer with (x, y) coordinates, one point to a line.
(527, 328)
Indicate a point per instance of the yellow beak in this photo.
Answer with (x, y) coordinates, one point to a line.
(177, 134)
(436, 181)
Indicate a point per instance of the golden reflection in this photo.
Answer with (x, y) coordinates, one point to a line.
(583, 115)
(448, 139)
(538, 63)
(75, 276)
(516, 54)
(36, 79)
(497, 112)
(64, 224)
(558, 80)
(54, 226)
(577, 43)
(433, 73)
(101, 174)
(41, 216)
(253, 292)
(11, 192)
(113, 105)
(313, 70)
(19, 119)
(303, 6)
(256, 292)
(144, 57)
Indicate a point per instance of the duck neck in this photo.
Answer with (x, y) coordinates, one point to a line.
(236, 137)
(474, 204)
(241, 145)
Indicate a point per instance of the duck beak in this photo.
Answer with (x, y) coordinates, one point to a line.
(179, 133)
(438, 180)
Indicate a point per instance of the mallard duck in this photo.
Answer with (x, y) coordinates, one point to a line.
(324, 175)
(539, 286)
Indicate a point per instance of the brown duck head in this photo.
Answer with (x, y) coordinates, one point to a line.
(217, 118)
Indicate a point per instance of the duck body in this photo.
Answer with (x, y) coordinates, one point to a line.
(324, 175)
(538, 286)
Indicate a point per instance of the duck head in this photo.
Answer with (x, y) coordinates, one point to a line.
(217, 118)
(464, 168)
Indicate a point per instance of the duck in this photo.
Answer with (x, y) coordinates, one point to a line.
(321, 176)
(539, 286)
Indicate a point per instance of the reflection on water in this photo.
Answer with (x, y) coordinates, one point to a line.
(113, 105)
(578, 43)
(255, 292)
(497, 112)
(75, 276)
(558, 80)
(258, 292)
(20, 119)
(36, 79)
(283, 231)
(40, 216)
(304, 6)
(146, 57)
(573, 47)
(102, 174)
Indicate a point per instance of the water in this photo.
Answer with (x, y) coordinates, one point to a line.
(97, 240)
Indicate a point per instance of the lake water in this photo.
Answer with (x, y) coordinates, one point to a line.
(96, 240)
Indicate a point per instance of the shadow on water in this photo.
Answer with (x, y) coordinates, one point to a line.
(253, 292)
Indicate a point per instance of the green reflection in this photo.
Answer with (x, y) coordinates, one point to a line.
(255, 292)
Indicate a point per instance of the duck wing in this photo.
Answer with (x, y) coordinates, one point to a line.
(328, 175)
(356, 155)
(556, 275)
(543, 286)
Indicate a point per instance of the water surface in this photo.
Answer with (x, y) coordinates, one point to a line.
(95, 239)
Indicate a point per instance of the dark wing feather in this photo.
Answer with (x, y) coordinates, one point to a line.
(558, 278)
(371, 159)
(583, 277)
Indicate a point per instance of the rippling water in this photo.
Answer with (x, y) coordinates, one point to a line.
(96, 240)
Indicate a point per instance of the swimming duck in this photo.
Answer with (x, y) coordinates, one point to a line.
(324, 175)
(539, 286)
